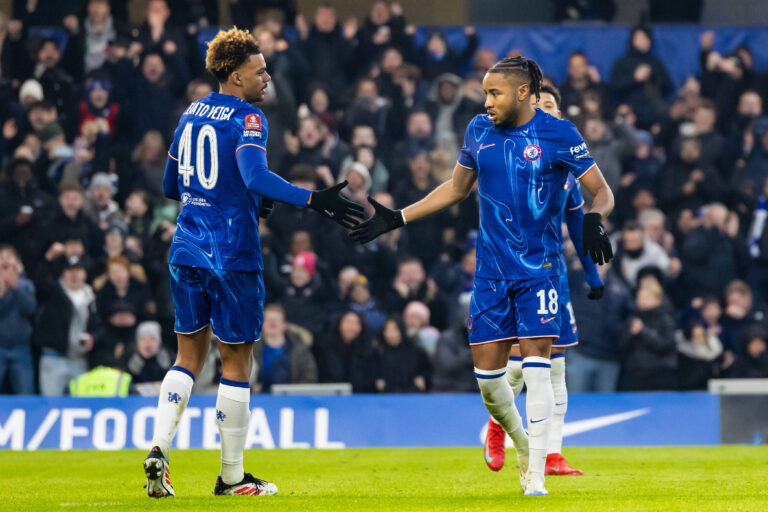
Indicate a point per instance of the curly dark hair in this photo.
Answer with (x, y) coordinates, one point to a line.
(228, 51)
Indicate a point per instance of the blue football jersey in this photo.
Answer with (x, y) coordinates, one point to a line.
(522, 173)
(218, 226)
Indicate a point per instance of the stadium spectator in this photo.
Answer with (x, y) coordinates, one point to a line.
(150, 102)
(401, 366)
(581, 77)
(609, 145)
(418, 328)
(281, 359)
(698, 349)
(419, 138)
(58, 85)
(383, 28)
(593, 366)
(450, 111)
(147, 360)
(364, 145)
(648, 344)
(70, 222)
(63, 331)
(98, 105)
(689, 181)
(452, 362)
(641, 79)
(749, 180)
(23, 208)
(302, 298)
(636, 252)
(411, 284)
(740, 316)
(709, 254)
(328, 48)
(437, 57)
(364, 304)
(17, 312)
(344, 353)
(99, 205)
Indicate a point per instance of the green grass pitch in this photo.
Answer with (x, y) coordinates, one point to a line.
(368, 480)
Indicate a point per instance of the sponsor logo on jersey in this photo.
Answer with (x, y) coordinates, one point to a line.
(547, 320)
(189, 199)
(252, 133)
(532, 152)
(253, 122)
(580, 151)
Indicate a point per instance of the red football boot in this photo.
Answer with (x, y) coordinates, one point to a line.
(557, 465)
(495, 451)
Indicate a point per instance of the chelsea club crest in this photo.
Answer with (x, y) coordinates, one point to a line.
(532, 152)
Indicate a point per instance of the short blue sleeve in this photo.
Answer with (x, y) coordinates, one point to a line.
(251, 129)
(575, 199)
(572, 152)
(467, 153)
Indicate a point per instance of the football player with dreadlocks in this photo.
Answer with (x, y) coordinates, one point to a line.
(521, 158)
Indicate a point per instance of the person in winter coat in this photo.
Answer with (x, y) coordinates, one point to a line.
(402, 367)
(648, 343)
(641, 79)
(344, 353)
(453, 359)
(697, 351)
(149, 360)
(281, 359)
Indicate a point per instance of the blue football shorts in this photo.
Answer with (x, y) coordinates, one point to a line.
(231, 301)
(505, 310)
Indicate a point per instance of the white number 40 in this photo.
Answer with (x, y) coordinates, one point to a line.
(552, 306)
(186, 169)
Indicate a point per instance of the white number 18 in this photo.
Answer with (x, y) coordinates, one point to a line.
(553, 302)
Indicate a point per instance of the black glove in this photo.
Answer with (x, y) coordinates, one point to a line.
(383, 220)
(596, 293)
(595, 241)
(267, 205)
(328, 203)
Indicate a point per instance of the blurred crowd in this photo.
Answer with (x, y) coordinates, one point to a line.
(85, 230)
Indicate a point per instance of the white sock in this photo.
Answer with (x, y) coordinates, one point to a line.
(232, 415)
(515, 374)
(557, 376)
(500, 402)
(538, 407)
(174, 395)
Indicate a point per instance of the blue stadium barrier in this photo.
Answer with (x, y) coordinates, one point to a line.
(621, 419)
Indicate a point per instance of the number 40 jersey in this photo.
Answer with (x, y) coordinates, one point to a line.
(218, 226)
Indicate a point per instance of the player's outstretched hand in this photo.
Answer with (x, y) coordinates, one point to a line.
(383, 220)
(267, 205)
(330, 204)
(595, 241)
(596, 293)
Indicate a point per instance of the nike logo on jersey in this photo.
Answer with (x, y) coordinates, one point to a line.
(538, 421)
(547, 320)
(484, 146)
(561, 403)
(328, 213)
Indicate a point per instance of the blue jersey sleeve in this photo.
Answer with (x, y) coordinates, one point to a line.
(467, 153)
(574, 219)
(252, 130)
(572, 153)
